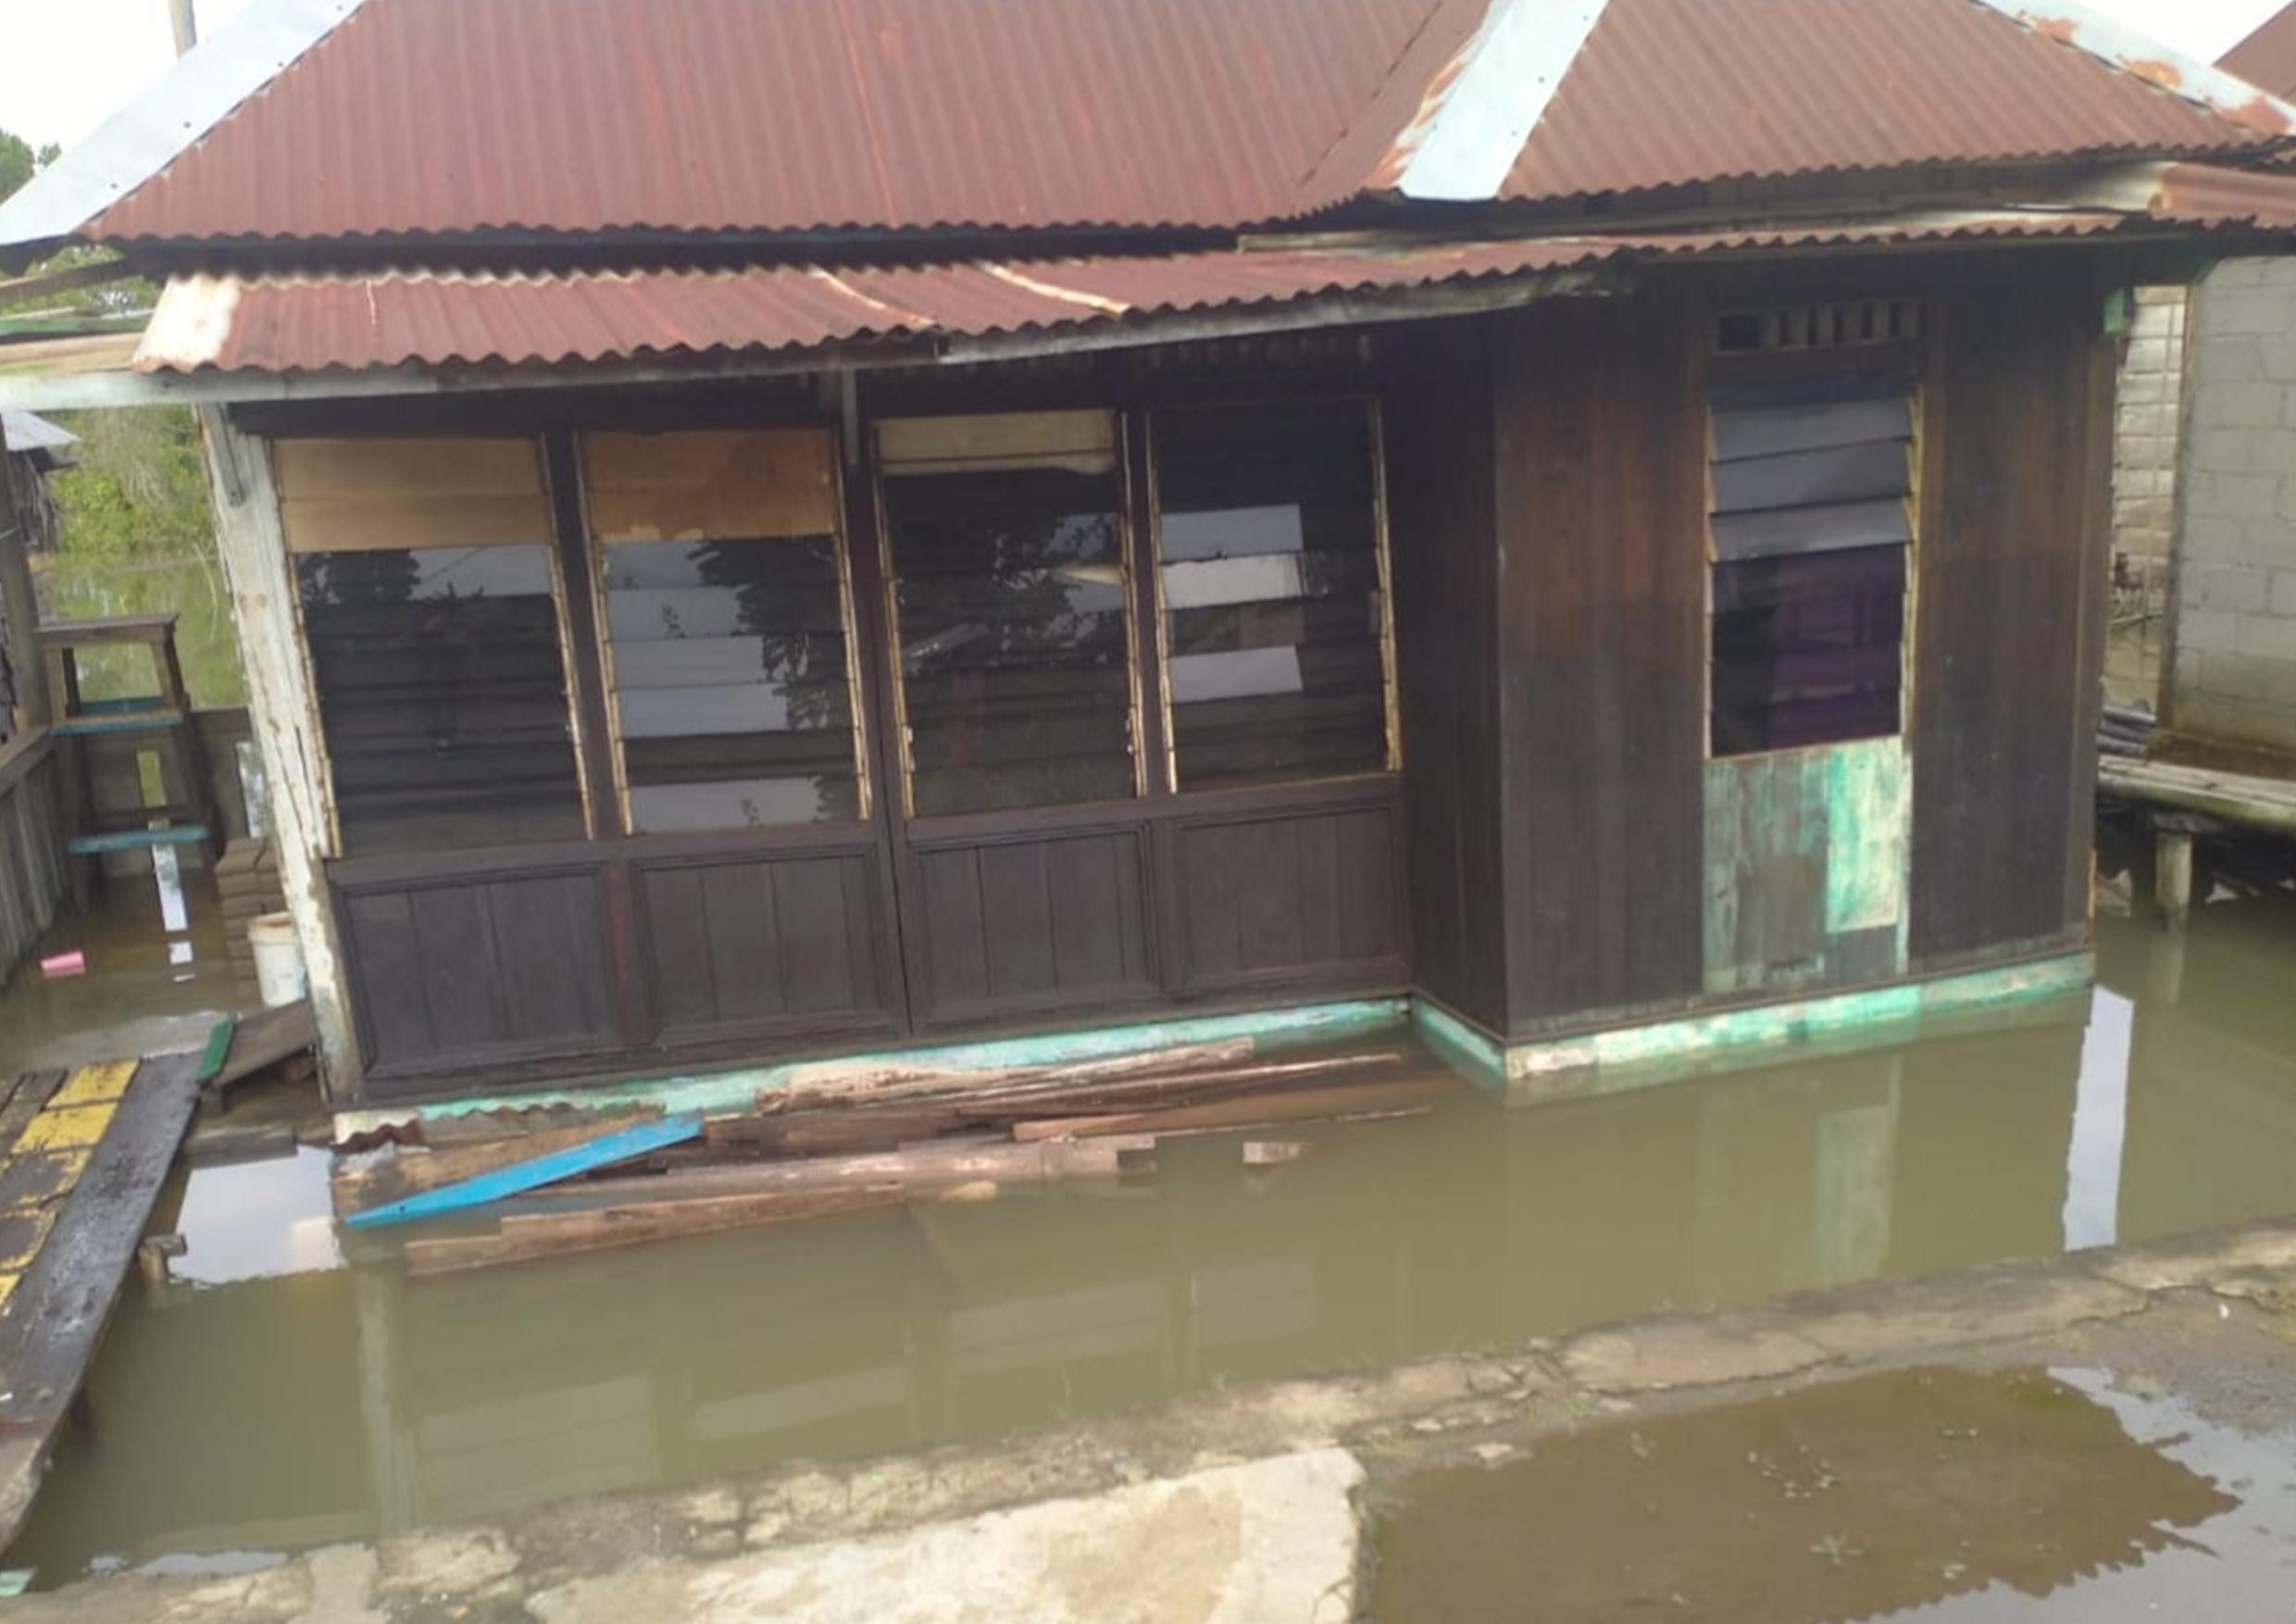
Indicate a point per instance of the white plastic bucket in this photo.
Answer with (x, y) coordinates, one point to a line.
(278, 959)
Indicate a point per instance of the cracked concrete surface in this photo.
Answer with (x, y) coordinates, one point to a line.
(1241, 1504)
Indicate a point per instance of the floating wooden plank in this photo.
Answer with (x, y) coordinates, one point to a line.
(825, 1085)
(1340, 1103)
(404, 1173)
(920, 1169)
(524, 1240)
(601, 1152)
(58, 1310)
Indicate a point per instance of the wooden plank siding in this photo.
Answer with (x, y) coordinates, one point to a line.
(1600, 451)
(2009, 574)
(1558, 851)
(1446, 571)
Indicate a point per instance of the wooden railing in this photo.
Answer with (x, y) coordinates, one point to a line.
(32, 871)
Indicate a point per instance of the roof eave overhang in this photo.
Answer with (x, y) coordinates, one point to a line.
(128, 387)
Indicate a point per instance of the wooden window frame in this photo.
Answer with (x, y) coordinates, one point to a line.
(1153, 567)
(1128, 542)
(1909, 356)
(570, 671)
(592, 546)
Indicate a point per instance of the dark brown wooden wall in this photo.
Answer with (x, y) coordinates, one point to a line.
(2016, 432)
(1438, 423)
(1600, 446)
(494, 970)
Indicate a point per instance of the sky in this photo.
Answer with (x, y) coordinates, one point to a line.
(65, 64)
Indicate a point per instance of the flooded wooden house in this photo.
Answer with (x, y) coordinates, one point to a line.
(770, 532)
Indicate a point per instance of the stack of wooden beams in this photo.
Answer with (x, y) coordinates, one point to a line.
(247, 876)
(844, 1143)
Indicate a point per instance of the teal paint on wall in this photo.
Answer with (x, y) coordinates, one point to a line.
(1869, 824)
(1808, 854)
(1612, 1061)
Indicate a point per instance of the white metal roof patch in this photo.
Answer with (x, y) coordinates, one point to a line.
(1474, 125)
(151, 132)
(2205, 86)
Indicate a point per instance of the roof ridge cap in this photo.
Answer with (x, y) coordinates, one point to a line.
(160, 123)
(2124, 50)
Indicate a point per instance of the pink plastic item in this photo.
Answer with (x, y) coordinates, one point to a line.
(59, 965)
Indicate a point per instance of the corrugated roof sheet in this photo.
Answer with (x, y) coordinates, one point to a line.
(445, 319)
(460, 117)
(2267, 57)
(429, 318)
(1674, 92)
(28, 432)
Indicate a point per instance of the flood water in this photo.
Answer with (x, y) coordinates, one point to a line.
(292, 1399)
(1932, 1495)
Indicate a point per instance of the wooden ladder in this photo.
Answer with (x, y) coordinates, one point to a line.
(185, 816)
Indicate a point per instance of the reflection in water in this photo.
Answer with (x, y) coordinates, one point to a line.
(1930, 1493)
(278, 1411)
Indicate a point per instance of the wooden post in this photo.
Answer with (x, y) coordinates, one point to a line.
(2172, 876)
(284, 712)
(19, 611)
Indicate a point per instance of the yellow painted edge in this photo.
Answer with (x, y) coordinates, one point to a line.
(74, 1163)
(42, 1220)
(74, 1129)
(7, 1288)
(91, 1085)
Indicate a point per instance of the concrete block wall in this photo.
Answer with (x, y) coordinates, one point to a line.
(2234, 676)
(2146, 423)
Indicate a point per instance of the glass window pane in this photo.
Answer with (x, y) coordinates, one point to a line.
(1015, 634)
(730, 687)
(1806, 649)
(1269, 538)
(442, 695)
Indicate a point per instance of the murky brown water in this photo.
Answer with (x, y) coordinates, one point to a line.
(1936, 1495)
(275, 1408)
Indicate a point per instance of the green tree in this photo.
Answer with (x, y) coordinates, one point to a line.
(19, 162)
(138, 535)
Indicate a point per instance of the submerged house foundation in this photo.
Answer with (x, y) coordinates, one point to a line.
(1566, 577)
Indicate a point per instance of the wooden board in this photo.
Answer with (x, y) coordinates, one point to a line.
(523, 1240)
(354, 496)
(1601, 472)
(55, 1319)
(2006, 674)
(725, 485)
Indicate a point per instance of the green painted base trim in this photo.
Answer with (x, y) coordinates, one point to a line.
(1635, 1056)
(1459, 1043)
(734, 1092)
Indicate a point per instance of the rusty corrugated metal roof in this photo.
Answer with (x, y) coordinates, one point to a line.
(444, 318)
(2267, 57)
(1669, 93)
(433, 317)
(455, 118)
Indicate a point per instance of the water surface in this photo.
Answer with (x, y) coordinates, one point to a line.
(292, 1399)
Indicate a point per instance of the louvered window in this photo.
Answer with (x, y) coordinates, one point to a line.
(1810, 520)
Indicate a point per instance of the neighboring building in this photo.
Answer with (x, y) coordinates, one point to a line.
(2228, 614)
(766, 530)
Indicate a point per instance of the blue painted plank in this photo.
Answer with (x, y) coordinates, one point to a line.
(136, 839)
(545, 1169)
(134, 706)
(126, 721)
